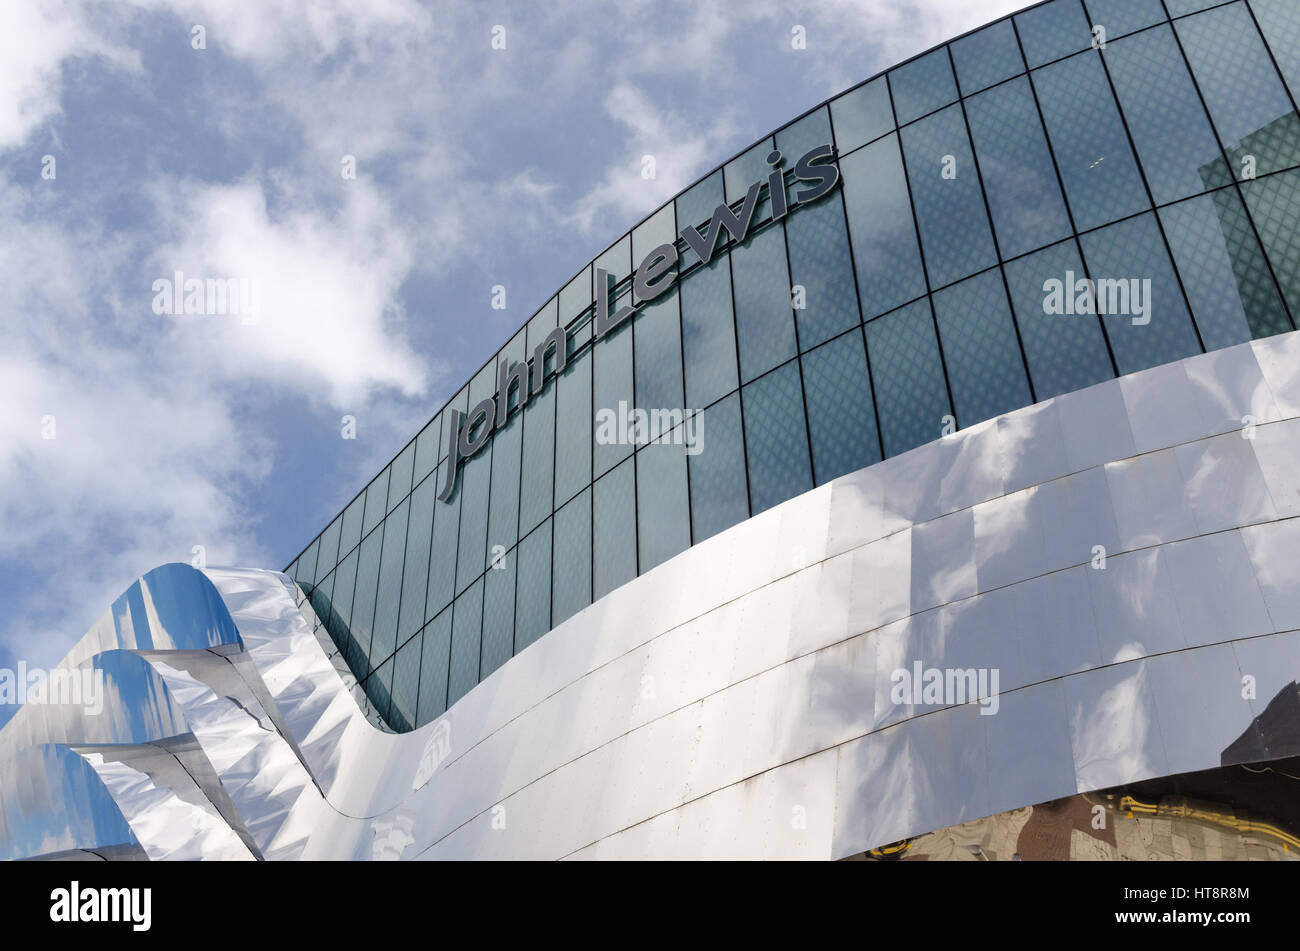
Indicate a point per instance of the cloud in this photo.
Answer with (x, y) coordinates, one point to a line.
(325, 284)
(36, 39)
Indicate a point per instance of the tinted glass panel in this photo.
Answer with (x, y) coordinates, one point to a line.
(1019, 179)
(661, 505)
(1246, 99)
(376, 497)
(498, 615)
(415, 575)
(821, 272)
(613, 386)
(1225, 275)
(442, 559)
(475, 482)
(390, 584)
(910, 393)
(881, 227)
(1280, 21)
(1122, 259)
(955, 234)
(1053, 30)
(764, 322)
(987, 57)
(351, 534)
(571, 560)
(538, 459)
(466, 631)
(435, 654)
(922, 86)
(776, 439)
(1173, 136)
(614, 539)
(708, 334)
(1065, 351)
(1101, 178)
(363, 603)
(797, 138)
(406, 686)
(1274, 205)
(503, 503)
(980, 349)
(1118, 17)
(573, 429)
(841, 412)
(862, 115)
(533, 587)
(659, 357)
(717, 470)
(399, 478)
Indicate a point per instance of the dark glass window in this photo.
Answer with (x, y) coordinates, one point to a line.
(1274, 204)
(862, 115)
(911, 396)
(427, 448)
(406, 686)
(613, 385)
(1132, 253)
(764, 321)
(363, 604)
(663, 528)
(881, 228)
(955, 234)
(922, 86)
(1119, 17)
(475, 482)
(1280, 21)
(442, 560)
(435, 655)
(820, 265)
(797, 138)
(1065, 352)
(1101, 178)
(503, 503)
(351, 534)
(1179, 7)
(571, 561)
(1024, 194)
(1246, 99)
(498, 615)
(1053, 30)
(1224, 272)
(573, 429)
(717, 470)
(415, 576)
(399, 478)
(379, 691)
(987, 57)
(708, 333)
(307, 563)
(376, 497)
(776, 438)
(575, 297)
(533, 587)
(328, 553)
(745, 169)
(390, 584)
(1173, 136)
(340, 622)
(659, 357)
(841, 412)
(466, 634)
(538, 459)
(614, 538)
(980, 349)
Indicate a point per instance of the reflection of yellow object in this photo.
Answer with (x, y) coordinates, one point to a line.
(891, 851)
(1181, 808)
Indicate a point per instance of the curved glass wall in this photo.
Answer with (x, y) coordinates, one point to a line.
(1085, 189)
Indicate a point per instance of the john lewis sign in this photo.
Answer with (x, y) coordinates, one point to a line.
(654, 277)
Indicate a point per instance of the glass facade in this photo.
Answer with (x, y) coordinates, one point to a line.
(1031, 209)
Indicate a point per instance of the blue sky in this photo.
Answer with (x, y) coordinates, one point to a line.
(474, 167)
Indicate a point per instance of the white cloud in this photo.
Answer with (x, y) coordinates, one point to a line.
(329, 320)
